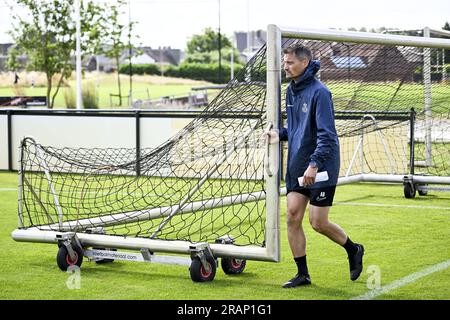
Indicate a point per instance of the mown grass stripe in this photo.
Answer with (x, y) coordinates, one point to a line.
(364, 204)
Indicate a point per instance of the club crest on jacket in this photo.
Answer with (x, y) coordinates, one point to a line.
(305, 107)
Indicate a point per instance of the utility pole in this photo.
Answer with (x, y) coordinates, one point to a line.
(161, 61)
(220, 52)
(78, 54)
(248, 30)
(232, 64)
(130, 95)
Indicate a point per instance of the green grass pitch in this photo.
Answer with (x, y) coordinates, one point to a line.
(401, 237)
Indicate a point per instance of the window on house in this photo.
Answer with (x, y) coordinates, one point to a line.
(345, 62)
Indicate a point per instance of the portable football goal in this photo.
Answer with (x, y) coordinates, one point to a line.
(212, 191)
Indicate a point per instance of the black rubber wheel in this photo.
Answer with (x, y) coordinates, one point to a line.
(409, 190)
(423, 192)
(232, 265)
(199, 274)
(64, 261)
(102, 261)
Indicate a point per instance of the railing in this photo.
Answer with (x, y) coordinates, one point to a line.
(93, 128)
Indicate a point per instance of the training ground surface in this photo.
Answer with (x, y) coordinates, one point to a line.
(407, 244)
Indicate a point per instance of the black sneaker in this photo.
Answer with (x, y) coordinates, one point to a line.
(298, 280)
(356, 263)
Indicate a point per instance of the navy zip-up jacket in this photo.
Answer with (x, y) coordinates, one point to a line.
(310, 130)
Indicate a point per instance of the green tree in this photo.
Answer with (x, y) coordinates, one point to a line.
(204, 48)
(446, 26)
(13, 63)
(114, 34)
(47, 37)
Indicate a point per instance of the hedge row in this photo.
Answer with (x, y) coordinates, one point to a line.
(196, 71)
(140, 69)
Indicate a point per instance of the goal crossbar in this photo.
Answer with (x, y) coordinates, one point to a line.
(364, 37)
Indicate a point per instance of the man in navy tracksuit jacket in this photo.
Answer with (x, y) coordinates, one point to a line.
(313, 147)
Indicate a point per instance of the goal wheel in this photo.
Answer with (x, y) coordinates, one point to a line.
(409, 190)
(199, 273)
(63, 258)
(233, 265)
(422, 192)
(103, 261)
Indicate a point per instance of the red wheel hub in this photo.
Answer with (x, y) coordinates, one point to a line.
(204, 273)
(236, 263)
(70, 261)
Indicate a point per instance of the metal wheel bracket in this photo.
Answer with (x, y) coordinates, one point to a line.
(146, 254)
(95, 230)
(203, 252)
(408, 179)
(226, 239)
(422, 187)
(69, 240)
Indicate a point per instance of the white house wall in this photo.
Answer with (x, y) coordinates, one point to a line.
(3, 141)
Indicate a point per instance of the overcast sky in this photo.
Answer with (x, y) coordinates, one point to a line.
(173, 22)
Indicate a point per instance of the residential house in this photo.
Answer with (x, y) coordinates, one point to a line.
(369, 63)
(247, 43)
(165, 55)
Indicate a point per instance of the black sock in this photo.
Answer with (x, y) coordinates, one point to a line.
(301, 265)
(350, 247)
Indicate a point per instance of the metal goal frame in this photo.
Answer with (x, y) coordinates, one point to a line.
(271, 249)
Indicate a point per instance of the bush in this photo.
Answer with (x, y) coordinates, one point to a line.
(69, 98)
(447, 68)
(435, 76)
(90, 96)
(253, 74)
(140, 69)
(18, 90)
(196, 71)
(201, 71)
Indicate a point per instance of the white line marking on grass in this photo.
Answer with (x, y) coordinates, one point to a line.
(403, 281)
(8, 189)
(363, 204)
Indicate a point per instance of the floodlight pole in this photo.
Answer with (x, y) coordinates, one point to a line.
(78, 54)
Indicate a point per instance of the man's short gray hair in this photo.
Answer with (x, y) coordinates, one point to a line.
(300, 51)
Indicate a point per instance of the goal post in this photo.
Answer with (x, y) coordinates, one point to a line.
(53, 231)
(214, 185)
(378, 81)
(273, 155)
(213, 189)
